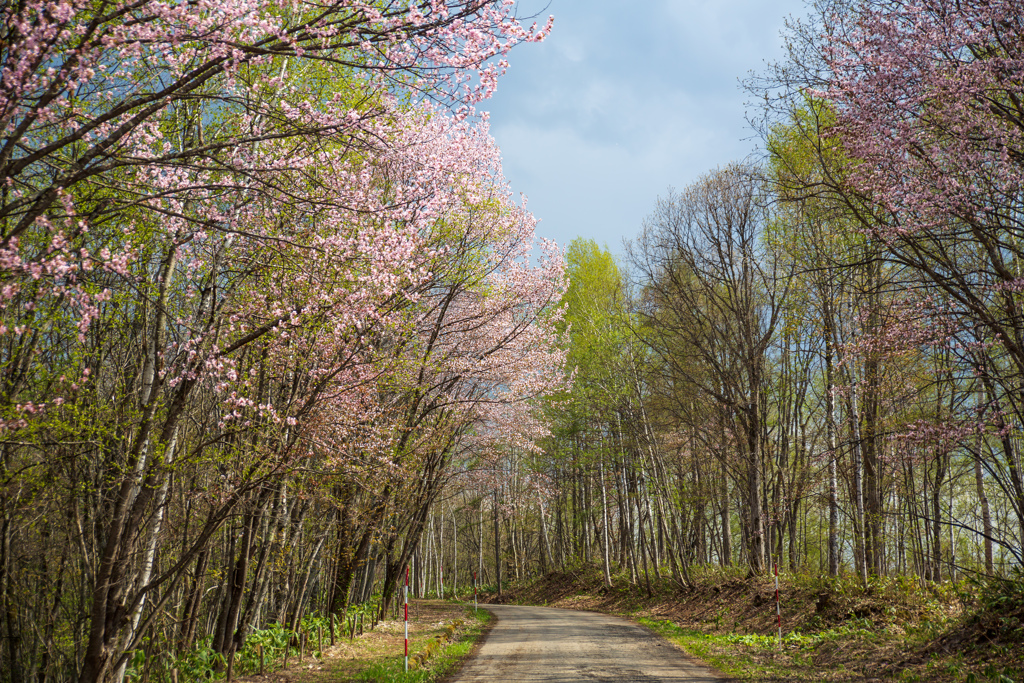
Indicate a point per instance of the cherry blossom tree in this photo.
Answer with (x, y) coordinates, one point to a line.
(926, 96)
(215, 225)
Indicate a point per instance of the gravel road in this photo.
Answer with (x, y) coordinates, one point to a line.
(549, 645)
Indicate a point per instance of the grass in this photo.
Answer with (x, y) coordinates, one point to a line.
(759, 657)
(378, 655)
(834, 629)
(442, 663)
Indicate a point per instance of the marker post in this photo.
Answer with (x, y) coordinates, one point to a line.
(474, 593)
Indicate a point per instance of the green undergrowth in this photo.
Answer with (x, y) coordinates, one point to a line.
(834, 628)
(762, 658)
(441, 635)
(444, 659)
(271, 646)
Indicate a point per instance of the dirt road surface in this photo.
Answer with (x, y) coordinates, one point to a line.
(541, 644)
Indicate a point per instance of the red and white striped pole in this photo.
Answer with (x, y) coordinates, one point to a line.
(474, 593)
(778, 608)
(405, 594)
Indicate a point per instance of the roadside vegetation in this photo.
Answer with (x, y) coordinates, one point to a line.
(441, 636)
(833, 629)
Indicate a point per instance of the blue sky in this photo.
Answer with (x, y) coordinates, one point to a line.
(625, 99)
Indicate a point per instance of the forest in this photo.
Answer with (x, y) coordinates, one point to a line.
(274, 330)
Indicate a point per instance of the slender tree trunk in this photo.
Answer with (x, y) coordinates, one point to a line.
(153, 532)
(455, 556)
(605, 531)
(858, 488)
(12, 630)
(986, 515)
(497, 543)
(480, 559)
(756, 556)
(936, 513)
(726, 523)
(872, 483)
(833, 448)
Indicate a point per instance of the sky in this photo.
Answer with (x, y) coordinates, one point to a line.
(624, 100)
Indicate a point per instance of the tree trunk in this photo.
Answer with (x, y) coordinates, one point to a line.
(986, 516)
(497, 543)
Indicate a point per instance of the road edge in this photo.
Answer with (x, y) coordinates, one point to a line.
(693, 659)
(481, 639)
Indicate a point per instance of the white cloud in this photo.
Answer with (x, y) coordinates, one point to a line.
(617, 105)
(571, 49)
